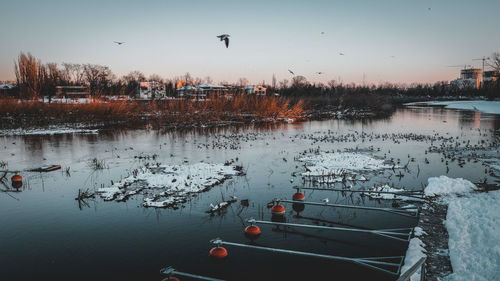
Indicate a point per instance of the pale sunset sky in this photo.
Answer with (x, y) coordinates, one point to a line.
(398, 41)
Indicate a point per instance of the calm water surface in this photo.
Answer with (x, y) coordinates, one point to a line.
(45, 235)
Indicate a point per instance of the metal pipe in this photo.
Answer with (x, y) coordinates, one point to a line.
(388, 210)
(369, 262)
(403, 193)
(170, 271)
(388, 234)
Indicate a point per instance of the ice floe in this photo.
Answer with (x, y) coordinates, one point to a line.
(330, 167)
(169, 185)
(51, 130)
(444, 185)
(492, 107)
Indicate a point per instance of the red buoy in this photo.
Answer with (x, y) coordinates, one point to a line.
(298, 196)
(278, 210)
(252, 230)
(218, 252)
(16, 178)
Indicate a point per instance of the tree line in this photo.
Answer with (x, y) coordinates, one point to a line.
(35, 79)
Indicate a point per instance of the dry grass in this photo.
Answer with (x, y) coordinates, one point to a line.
(238, 108)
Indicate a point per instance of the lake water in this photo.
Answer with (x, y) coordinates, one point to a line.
(46, 235)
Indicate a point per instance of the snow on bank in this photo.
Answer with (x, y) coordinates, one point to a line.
(168, 185)
(333, 166)
(473, 224)
(52, 130)
(444, 185)
(492, 107)
(415, 252)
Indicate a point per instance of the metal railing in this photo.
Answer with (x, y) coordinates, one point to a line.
(395, 234)
(401, 212)
(375, 263)
(420, 264)
(170, 272)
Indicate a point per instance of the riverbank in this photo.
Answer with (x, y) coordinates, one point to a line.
(37, 117)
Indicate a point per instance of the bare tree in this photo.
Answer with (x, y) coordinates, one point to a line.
(73, 73)
(242, 82)
(27, 70)
(299, 81)
(155, 78)
(273, 83)
(284, 84)
(208, 80)
(495, 61)
(98, 78)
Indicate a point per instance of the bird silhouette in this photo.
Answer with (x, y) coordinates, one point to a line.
(225, 38)
(291, 72)
(342, 54)
(119, 43)
(319, 72)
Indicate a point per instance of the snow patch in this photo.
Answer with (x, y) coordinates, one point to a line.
(444, 185)
(415, 252)
(492, 107)
(168, 185)
(473, 224)
(52, 130)
(329, 167)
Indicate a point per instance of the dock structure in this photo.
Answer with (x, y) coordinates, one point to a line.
(399, 234)
(401, 212)
(171, 272)
(382, 264)
(414, 194)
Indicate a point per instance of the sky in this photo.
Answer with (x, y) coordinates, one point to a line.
(395, 41)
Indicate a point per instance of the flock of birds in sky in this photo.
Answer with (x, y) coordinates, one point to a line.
(225, 38)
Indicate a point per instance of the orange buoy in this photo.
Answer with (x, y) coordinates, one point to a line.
(17, 184)
(252, 230)
(278, 210)
(298, 196)
(218, 252)
(17, 178)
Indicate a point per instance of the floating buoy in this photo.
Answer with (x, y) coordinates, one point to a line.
(278, 210)
(298, 207)
(17, 178)
(17, 184)
(252, 231)
(218, 252)
(298, 196)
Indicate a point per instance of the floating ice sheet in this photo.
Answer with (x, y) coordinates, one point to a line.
(168, 185)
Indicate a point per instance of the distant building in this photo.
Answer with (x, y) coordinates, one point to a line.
(490, 76)
(72, 92)
(6, 89)
(470, 78)
(151, 90)
(210, 89)
(257, 90)
(189, 91)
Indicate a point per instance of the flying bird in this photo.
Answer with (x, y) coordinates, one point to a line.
(342, 54)
(291, 72)
(119, 43)
(225, 38)
(322, 32)
(319, 72)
